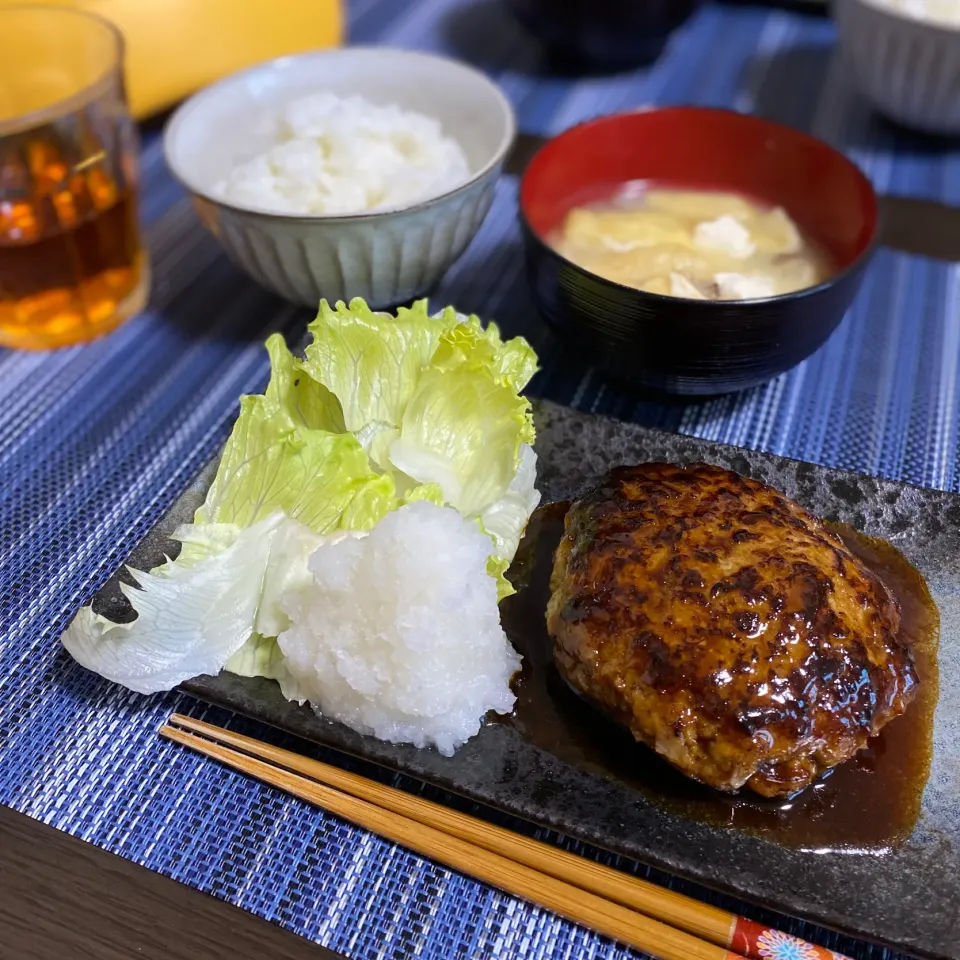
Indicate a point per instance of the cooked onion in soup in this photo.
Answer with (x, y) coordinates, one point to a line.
(701, 245)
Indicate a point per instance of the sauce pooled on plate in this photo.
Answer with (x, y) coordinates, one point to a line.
(869, 804)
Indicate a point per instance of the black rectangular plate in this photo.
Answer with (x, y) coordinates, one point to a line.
(908, 899)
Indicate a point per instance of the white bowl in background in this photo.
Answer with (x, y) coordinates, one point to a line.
(908, 68)
(387, 257)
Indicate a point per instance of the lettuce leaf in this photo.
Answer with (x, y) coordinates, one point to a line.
(293, 393)
(382, 411)
(186, 625)
(371, 361)
(462, 429)
(506, 519)
(469, 343)
(315, 477)
(288, 452)
(262, 657)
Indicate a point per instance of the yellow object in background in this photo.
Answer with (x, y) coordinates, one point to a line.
(174, 47)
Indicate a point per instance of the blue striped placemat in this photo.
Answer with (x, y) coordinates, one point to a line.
(97, 441)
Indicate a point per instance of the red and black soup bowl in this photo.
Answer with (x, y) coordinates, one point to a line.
(672, 344)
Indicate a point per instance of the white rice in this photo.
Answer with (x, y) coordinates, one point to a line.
(943, 12)
(342, 156)
(399, 633)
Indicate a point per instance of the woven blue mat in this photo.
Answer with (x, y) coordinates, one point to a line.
(97, 441)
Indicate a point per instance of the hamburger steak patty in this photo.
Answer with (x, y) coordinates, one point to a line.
(725, 627)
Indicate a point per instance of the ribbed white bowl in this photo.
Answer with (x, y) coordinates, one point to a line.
(908, 68)
(387, 258)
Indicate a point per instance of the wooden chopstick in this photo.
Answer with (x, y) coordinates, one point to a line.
(733, 934)
(701, 920)
(574, 903)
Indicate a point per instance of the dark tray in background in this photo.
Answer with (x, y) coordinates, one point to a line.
(908, 899)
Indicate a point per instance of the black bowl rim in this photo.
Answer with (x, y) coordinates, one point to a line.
(657, 298)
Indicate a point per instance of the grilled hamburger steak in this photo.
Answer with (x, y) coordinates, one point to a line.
(725, 626)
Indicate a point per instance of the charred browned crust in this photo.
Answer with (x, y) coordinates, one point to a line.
(725, 626)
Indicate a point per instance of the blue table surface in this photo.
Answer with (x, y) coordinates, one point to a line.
(97, 441)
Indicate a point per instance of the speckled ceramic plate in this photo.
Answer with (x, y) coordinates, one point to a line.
(559, 764)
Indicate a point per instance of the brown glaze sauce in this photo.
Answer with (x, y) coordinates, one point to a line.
(870, 803)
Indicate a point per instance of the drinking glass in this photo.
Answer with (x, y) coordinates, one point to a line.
(72, 261)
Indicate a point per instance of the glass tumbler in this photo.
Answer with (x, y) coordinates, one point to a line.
(72, 260)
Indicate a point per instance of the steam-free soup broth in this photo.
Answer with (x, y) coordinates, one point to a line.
(701, 245)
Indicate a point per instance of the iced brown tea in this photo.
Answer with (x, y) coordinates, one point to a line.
(72, 265)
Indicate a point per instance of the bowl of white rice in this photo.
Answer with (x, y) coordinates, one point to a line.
(361, 172)
(905, 57)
